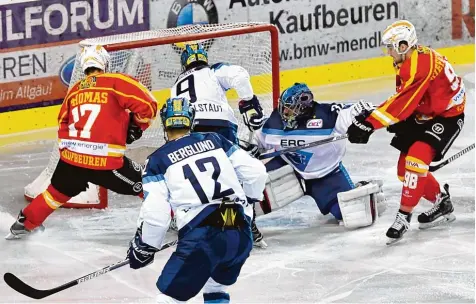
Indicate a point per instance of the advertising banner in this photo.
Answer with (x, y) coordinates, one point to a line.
(327, 31)
(38, 42)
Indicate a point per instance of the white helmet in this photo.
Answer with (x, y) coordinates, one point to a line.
(400, 31)
(94, 56)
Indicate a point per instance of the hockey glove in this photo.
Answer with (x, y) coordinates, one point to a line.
(360, 130)
(252, 112)
(140, 254)
(134, 132)
(252, 150)
(362, 107)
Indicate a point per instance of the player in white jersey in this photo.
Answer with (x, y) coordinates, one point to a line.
(205, 86)
(299, 120)
(207, 181)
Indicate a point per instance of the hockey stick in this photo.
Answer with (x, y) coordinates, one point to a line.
(25, 289)
(305, 146)
(452, 158)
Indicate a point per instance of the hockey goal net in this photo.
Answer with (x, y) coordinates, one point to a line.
(153, 57)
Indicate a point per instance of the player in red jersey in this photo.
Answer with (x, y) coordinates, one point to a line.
(99, 115)
(426, 114)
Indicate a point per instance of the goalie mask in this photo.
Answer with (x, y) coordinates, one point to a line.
(94, 56)
(399, 32)
(177, 113)
(295, 102)
(192, 54)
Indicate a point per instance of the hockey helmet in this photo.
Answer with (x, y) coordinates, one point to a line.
(177, 113)
(94, 56)
(294, 103)
(398, 32)
(193, 53)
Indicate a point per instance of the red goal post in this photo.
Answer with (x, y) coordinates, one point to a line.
(153, 57)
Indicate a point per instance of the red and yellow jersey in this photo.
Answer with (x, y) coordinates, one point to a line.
(426, 86)
(93, 119)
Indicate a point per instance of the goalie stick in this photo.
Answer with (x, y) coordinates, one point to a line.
(452, 158)
(305, 146)
(25, 289)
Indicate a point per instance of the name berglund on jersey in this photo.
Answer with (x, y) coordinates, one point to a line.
(191, 150)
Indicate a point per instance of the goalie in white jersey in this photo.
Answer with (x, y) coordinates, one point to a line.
(205, 86)
(207, 181)
(300, 120)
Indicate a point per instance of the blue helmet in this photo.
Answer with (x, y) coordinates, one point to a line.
(294, 103)
(193, 53)
(177, 113)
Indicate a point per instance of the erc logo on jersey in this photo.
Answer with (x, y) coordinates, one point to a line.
(314, 124)
(184, 12)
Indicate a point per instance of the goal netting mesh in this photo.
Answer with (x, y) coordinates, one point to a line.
(153, 57)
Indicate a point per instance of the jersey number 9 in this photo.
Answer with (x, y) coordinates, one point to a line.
(187, 85)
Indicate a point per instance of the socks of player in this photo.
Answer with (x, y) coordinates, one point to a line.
(418, 182)
(42, 206)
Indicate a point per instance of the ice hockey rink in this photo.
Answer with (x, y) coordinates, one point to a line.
(310, 259)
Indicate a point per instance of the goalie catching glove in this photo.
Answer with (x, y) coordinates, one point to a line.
(134, 132)
(140, 254)
(252, 112)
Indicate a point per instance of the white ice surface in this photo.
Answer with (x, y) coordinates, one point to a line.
(310, 259)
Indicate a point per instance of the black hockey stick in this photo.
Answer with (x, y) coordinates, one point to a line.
(305, 146)
(25, 289)
(452, 158)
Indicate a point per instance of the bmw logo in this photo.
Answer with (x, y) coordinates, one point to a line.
(66, 70)
(185, 12)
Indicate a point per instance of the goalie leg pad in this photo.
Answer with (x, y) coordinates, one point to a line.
(359, 205)
(282, 188)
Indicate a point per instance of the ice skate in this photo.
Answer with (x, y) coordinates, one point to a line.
(18, 230)
(258, 240)
(441, 213)
(399, 227)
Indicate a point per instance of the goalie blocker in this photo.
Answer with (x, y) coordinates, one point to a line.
(360, 206)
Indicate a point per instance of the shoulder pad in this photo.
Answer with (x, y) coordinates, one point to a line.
(218, 65)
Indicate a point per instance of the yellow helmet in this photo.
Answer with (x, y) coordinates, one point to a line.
(400, 31)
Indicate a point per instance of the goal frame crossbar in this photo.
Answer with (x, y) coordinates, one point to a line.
(119, 46)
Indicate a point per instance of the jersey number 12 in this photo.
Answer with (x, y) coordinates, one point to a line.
(217, 193)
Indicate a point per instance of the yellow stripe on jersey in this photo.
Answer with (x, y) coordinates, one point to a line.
(62, 116)
(383, 117)
(116, 147)
(427, 78)
(128, 80)
(115, 154)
